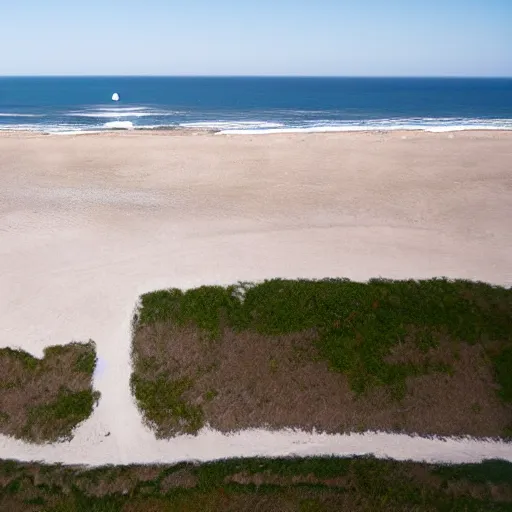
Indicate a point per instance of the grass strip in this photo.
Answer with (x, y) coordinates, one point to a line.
(312, 484)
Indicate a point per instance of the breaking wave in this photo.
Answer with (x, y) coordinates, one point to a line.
(411, 124)
(14, 114)
(101, 118)
(233, 125)
(111, 113)
(118, 125)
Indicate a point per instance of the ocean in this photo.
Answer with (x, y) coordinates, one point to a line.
(254, 104)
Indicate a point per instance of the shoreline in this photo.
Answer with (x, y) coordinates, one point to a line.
(183, 131)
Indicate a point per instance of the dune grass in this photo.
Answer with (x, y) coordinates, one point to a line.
(43, 400)
(358, 325)
(163, 397)
(312, 484)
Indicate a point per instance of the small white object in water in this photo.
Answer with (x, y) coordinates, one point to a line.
(115, 97)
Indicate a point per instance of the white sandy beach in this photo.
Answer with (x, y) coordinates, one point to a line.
(88, 223)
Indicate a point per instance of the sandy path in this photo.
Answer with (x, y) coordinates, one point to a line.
(89, 223)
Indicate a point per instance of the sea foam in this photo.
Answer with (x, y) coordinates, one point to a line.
(410, 124)
(233, 125)
(104, 114)
(13, 114)
(118, 125)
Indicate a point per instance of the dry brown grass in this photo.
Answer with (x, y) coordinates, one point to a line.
(268, 478)
(463, 402)
(42, 400)
(246, 380)
(182, 478)
(115, 480)
(292, 501)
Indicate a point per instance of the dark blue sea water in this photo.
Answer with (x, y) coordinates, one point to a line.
(76, 104)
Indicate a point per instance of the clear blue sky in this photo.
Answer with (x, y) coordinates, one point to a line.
(257, 37)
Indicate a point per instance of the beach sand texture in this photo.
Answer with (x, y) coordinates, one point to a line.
(88, 223)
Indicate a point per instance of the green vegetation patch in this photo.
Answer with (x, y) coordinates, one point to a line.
(163, 399)
(43, 400)
(311, 484)
(57, 419)
(358, 326)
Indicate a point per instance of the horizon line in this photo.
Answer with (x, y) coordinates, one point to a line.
(455, 77)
